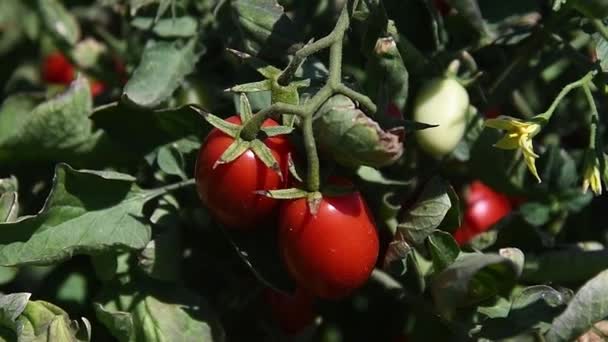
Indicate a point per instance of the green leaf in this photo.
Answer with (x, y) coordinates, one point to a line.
(11, 307)
(58, 129)
(388, 77)
(162, 68)
(155, 128)
(443, 248)
(536, 214)
(73, 289)
(137, 4)
(427, 213)
(171, 161)
(533, 308)
(40, 321)
(140, 312)
(352, 138)
(265, 27)
(7, 274)
(471, 279)
(588, 306)
(453, 218)
(580, 265)
(87, 212)
(245, 111)
(58, 21)
(9, 207)
(162, 256)
(169, 27)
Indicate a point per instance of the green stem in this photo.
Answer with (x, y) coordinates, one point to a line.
(595, 117)
(312, 177)
(171, 187)
(567, 89)
(364, 100)
(252, 127)
(600, 28)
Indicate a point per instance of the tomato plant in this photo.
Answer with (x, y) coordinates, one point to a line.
(398, 170)
(333, 252)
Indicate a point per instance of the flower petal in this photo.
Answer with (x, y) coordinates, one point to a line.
(508, 142)
(502, 122)
(530, 161)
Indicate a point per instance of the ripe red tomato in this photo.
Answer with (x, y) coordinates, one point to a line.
(56, 68)
(292, 313)
(484, 208)
(228, 191)
(97, 88)
(333, 253)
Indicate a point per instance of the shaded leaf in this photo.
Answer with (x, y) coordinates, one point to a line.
(162, 68)
(422, 218)
(471, 279)
(586, 308)
(57, 129)
(168, 27)
(58, 21)
(265, 27)
(87, 212)
(155, 128)
(140, 312)
(533, 308)
(443, 248)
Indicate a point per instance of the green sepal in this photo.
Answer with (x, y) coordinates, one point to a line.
(9, 206)
(229, 128)
(246, 114)
(284, 194)
(251, 87)
(259, 65)
(273, 131)
(314, 201)
(265, 155)
(235, 150)
(292, 168)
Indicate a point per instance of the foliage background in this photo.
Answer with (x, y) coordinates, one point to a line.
(171, 274)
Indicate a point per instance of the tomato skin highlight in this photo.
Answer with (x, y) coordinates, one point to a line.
(484, 208)
(294, 312)
(333, 253)
(56, 68)
(228, 191)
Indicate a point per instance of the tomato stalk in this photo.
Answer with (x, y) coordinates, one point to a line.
(583, 82)
(312, 177)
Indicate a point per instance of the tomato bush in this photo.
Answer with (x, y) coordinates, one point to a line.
(398, 170)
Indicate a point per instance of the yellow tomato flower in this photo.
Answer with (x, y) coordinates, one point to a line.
(519, 135)
(592, 177)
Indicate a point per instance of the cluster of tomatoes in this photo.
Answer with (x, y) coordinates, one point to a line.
(329, 254)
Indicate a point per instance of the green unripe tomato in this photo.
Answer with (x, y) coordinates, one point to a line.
(443, 102)
(597, 9)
